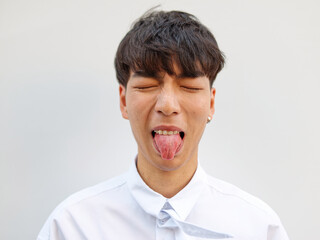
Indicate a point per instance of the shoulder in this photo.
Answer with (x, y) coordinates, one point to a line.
(239, 197)
(242, 213)
(81, 200)
(93, 191)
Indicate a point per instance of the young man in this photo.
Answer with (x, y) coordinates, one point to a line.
(166, 65)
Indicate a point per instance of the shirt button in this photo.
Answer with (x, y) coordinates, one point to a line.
(161, 221)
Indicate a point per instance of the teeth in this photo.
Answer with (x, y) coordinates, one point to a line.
(165, 132)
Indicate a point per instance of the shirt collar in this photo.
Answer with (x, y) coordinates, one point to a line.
(152, 202)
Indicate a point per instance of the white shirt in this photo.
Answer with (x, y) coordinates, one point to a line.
(126, 208)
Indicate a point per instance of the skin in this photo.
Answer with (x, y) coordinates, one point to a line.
(183, 102)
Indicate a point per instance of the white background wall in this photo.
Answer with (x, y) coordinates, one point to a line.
(60, 124)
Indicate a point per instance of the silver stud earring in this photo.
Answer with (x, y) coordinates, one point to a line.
(208, 119)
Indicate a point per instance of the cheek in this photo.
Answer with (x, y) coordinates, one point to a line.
(134, 103)
(199, 107)
(138, 107)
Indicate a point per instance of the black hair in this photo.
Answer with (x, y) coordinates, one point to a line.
(159, 39)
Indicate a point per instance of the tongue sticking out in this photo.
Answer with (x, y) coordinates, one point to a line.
(168, 145)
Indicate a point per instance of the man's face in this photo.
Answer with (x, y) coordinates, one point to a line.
(167, 103)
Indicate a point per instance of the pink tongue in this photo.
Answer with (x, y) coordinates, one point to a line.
(167, 145)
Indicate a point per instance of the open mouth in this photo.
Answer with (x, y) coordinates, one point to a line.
(166, 132)
(167, 142)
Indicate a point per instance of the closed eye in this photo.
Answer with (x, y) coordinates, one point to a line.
(191, 88)
(144, 87)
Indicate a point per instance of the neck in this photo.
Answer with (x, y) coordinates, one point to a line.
(166, 182)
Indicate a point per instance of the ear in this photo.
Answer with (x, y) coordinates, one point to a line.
(123, 103)
(212, 97)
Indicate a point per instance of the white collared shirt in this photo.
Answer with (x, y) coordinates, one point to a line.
(126, 208)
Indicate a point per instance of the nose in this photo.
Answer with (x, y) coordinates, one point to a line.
(167, 101)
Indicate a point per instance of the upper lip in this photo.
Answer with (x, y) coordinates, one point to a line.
(166, 127)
